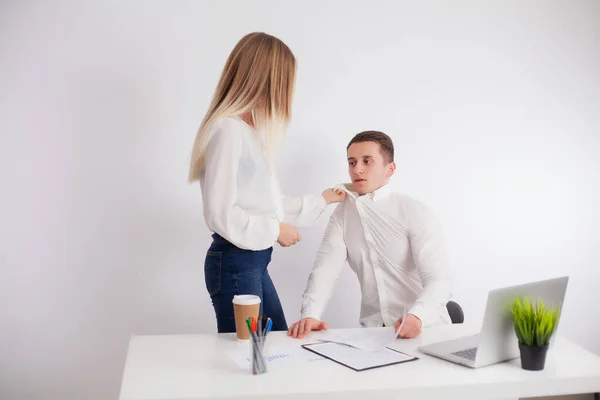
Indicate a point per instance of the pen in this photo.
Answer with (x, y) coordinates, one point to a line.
(401, 323)
(259, 327)
(249, 323)
(263, 328)
(254, 360)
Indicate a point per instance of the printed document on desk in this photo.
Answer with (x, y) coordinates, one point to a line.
(357, 359)
(364, 339)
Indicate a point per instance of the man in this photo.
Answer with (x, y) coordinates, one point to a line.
(392, 242)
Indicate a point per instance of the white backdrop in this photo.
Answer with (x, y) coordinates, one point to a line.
(494, 110)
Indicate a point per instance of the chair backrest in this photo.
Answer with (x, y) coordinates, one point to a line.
(456, 313)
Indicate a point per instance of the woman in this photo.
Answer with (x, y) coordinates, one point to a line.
(232, 158)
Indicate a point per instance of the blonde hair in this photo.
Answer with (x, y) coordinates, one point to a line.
(258, 77)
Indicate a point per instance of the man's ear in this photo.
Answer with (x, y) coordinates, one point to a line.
(390, 170)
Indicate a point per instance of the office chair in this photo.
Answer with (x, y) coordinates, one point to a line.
(456, 313)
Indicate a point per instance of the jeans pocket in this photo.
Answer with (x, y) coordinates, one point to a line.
(212, 271)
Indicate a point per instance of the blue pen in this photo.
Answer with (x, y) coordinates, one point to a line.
(269, 325)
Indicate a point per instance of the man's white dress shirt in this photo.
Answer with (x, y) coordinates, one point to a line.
(395, 246)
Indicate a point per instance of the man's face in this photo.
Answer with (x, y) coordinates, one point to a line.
(367, 168)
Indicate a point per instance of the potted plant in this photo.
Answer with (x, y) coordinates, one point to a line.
(534, 326)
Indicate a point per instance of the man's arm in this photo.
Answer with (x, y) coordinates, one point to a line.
(329, 262)
(430, 256)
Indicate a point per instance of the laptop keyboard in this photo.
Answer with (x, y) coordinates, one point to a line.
(469, 354)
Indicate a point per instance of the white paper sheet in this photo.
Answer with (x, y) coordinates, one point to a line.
(359, 359)
(277, 356)
(369, 340)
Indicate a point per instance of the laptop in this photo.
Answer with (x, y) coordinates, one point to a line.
(497, 341)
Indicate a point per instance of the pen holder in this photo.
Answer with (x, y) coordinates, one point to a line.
(258, 328)
(259, 355)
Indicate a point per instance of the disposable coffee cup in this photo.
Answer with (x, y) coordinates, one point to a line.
(244, 306)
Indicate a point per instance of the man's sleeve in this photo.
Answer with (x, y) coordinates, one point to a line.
(430, 256)
(330, 260)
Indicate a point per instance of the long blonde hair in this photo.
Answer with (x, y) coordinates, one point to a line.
(258, 77)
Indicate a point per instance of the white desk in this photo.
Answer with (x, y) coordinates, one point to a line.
(178, 367)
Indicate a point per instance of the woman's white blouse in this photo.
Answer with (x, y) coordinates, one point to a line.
(241, 197)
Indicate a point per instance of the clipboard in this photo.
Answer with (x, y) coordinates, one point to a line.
(357, 359)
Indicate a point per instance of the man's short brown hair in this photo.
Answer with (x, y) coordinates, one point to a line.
(386, 146)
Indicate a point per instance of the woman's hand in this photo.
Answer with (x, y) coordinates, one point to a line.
(288, 235)
(334, 195)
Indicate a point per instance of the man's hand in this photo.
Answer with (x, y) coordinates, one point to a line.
(304, 326)
(333, 195)
(411, 328)
(288, 235)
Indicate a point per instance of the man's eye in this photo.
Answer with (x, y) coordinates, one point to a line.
(367, 161)
(352, 164)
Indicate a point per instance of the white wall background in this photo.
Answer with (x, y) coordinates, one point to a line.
(494, 109)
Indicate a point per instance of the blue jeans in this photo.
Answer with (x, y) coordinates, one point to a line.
(229, 271)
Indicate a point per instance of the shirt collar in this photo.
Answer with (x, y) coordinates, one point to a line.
(376, 195)
(380, 193)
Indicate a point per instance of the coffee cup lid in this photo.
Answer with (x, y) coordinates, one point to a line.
(246, 299)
